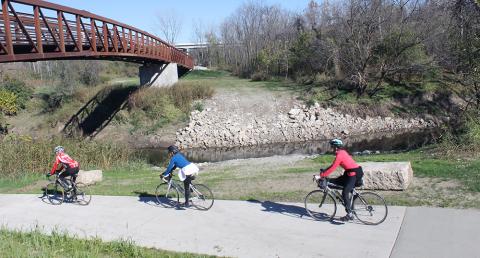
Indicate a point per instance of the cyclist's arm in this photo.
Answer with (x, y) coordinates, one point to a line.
(171, 167)
(55, 165)
(332, 167)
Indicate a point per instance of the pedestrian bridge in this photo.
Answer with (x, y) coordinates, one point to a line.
(33, 30)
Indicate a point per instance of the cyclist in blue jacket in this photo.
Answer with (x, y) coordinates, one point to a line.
(187, 172)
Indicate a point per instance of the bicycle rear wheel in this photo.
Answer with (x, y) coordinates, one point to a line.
(370, 208)
(167, 196)
(201, 196)
(83, 194)
(55, 193)
(320, 205)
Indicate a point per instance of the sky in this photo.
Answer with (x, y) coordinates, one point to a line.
(141, 13)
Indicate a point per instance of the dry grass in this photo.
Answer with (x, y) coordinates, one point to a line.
(181, 95)
(22, 154)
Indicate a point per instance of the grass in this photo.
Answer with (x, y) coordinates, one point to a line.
(36, 155)
(222, 79)
(438, 182)
(15, 184)
(36, 244)
(134, 180)
(427, 164)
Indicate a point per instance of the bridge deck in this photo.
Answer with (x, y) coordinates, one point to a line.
(76, 34)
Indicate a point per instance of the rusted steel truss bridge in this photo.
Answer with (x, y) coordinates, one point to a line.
(33, 30)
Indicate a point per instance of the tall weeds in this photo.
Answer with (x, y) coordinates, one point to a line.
(22, 154)
(152, 108)
(464, 136)
(182, 95)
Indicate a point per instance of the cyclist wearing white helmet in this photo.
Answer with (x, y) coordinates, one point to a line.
(66, 163)
(352, 175)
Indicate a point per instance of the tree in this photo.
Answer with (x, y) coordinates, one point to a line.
(168, 25)
(464, 51)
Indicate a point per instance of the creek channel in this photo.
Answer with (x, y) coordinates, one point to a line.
(357, 145)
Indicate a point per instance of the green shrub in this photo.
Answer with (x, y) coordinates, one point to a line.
(259, 76)
(8, 102)
(22, 92)
(464, 136)
(198, 106)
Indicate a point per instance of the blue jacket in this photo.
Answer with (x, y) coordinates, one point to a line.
(177, 161)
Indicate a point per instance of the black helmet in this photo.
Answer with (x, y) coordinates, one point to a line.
(173, 149)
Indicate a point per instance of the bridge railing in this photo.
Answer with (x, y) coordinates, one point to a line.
(76, 34)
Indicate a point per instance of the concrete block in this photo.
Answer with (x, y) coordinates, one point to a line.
(387, 175)
(89, 177)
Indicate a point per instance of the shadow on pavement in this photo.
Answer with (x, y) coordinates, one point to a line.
(147, 198)
(151, 199)
(288, 210)
(284, 209)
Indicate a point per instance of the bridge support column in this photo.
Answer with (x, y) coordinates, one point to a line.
(158, 75)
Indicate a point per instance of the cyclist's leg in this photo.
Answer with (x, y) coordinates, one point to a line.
(347, 188)
(339, 180)
(186, 185)
(62, 177)
(73, 172)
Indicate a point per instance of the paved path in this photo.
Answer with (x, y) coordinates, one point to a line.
(435, 232)
(244, 229)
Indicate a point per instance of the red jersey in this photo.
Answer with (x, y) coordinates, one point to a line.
(343, 159)
(65, 160)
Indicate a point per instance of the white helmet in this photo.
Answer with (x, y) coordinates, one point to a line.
(59, 149)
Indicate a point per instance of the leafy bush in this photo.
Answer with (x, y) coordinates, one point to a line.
(8, 102)
(22, 92)
(259, 76)
(463, 136)
(89, 73)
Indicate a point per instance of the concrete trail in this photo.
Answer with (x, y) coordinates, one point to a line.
(230, 228)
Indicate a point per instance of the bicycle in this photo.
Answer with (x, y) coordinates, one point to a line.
(368, 207)
(168, 194)
(60, 190)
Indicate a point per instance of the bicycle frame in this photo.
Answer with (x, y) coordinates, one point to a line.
(58, 181)
(336, 193)
(172, 183)
(180, 189)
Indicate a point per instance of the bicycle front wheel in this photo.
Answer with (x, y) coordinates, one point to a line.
(83, 196)
(320, 205)
(370, 208)
(55, 193)
(167, 196)
(201, 197)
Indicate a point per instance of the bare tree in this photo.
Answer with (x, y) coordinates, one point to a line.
(168, 25)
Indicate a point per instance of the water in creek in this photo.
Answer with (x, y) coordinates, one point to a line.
(380, 142)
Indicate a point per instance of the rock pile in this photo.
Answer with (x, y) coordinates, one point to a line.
(211, 128)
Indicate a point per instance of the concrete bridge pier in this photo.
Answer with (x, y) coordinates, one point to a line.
(158, 75)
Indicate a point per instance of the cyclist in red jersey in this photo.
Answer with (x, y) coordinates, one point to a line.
(352, 175)
(63, 161)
